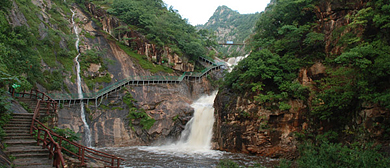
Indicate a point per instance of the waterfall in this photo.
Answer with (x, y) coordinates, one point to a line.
(196, 138)
(87, 131)
(234, 61)
(199, 130)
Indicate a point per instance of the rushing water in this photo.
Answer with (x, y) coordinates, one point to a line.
(192, 150)
(87, 131)
(234, 61)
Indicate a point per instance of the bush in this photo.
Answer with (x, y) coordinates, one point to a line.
(338, 155)
(5, 113)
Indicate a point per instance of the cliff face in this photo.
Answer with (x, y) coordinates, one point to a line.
(137, 41)
(168, 104)
(244, 125)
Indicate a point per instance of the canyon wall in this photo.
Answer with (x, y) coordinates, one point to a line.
(245, 125)
(168, 104)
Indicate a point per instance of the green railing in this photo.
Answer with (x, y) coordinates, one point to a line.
(135, 79)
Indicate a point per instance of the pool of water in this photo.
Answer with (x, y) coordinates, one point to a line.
(179, 156)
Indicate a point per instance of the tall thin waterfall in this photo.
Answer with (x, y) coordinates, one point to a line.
(87, 131)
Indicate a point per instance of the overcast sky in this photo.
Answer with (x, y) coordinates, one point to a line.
(199, 11)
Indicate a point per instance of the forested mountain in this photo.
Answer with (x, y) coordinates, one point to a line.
(319, 69)
(229, 25)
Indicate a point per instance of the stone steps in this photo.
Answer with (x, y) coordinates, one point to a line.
(32, 162)
(22, 146)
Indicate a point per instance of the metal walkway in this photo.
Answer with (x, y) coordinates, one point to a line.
(137, 80)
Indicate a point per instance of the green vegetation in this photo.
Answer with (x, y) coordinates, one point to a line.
(22, 58)
(161, 25)
(337, 155)
(69, 135)
(289, 37)
(5, 113)
(233, 26)
(231, 164)
(137, 114)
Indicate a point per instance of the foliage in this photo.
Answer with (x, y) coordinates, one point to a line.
(5, 4)
(336, 155)
(5, 113)
(137, 114)
(287, 38)
(270, 76)
(69, 135)
(360, 74)
(230, 25)
(227, 163)
(23, 47)
(162, 25)
(26, 107)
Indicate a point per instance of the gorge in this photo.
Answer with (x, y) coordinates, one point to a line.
(313, 88)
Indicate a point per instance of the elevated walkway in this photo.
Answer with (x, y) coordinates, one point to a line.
(137, 80)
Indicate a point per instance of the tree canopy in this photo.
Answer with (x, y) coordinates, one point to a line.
(162, 25)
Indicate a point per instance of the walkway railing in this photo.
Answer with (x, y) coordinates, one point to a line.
(139, 80)
(52, 105)
(47, 140)
(54, 145)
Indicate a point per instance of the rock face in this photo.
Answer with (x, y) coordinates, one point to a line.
(138, 42)
(168, 104)
(244, 125)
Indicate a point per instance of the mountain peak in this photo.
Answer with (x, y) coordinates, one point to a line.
(224, 9)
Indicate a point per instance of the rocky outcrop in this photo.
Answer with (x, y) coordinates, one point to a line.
(168, 104)
(331, 19)
(244, 125)
(138, 42)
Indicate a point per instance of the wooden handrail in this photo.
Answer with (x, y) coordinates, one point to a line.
(43, 96)
(55, 146)
(83, 150)
(48, 141)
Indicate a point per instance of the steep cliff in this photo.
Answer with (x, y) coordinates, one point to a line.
(167, 104)
(294, 85)
(106, 57)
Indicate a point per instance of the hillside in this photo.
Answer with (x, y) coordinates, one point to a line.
(229, 25)
(315, 86)
(38, 51)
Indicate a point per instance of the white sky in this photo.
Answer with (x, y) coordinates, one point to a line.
(199, 11)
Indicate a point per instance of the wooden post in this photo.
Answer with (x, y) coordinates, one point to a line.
(82, 157)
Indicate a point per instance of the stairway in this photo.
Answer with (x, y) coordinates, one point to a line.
(22, 146)
(32, 104)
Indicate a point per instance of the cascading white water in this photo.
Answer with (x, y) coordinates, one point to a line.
(234, 61)
(87, 131)
(194, 147)
(195, 140)
(199, 130)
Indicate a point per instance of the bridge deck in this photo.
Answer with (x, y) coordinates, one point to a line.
(138, 80)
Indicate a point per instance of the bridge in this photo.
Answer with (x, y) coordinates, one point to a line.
(231, 43)
(137, 80)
